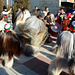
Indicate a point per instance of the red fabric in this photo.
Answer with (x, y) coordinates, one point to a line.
(5, 24)
(7, 30)
(25, 12)
(57, 19)
(6, 16)
(72, 28)
(69, 15)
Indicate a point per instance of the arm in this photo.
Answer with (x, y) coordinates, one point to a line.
(52, 18)
(28, 13)
(6, 13)
(46, 22)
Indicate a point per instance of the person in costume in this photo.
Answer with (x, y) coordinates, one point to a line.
(4, 26)
(61, 16)
(72, 25)
(5, 13)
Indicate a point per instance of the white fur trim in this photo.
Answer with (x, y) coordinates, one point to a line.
(73, 23)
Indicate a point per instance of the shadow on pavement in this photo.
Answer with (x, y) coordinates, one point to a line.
(48, 55)
(3, 72)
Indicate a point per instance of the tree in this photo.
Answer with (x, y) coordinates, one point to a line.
(8, 7)
(21, 3)
(1, 5)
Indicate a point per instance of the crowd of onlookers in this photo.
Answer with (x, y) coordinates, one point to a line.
(49, 18)
(45, 15)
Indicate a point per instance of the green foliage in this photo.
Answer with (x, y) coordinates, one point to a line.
(8, 7)
(1, 5)
(21, 3)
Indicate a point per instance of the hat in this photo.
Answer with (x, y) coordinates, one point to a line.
(24, 8)
(41, 15)
(72, 26)
(4, 7)
(7, 27)
(73, 12)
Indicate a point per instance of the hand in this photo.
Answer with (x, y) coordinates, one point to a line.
(10, 9)
(50, 23)
(58, 13)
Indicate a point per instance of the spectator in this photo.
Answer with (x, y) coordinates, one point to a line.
(35, 11)
(47, 20)
(18, 10)
(2, 22)
(40, 16)
(52, 18)
(46, 11)
(26, 12)
(36, 8)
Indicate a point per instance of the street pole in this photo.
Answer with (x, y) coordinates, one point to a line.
(7, 3)
(59, 3)
(11, 2)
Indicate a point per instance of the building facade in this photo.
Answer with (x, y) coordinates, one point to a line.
(53, 5)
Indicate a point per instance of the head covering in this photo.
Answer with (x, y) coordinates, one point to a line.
(7, 27)
(69, 15)
(4, 7)
(24, 8)
(74, 13)
(41, 15)
(72, 26)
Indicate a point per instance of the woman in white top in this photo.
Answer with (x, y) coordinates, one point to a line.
(46, 11)
(26, 13)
